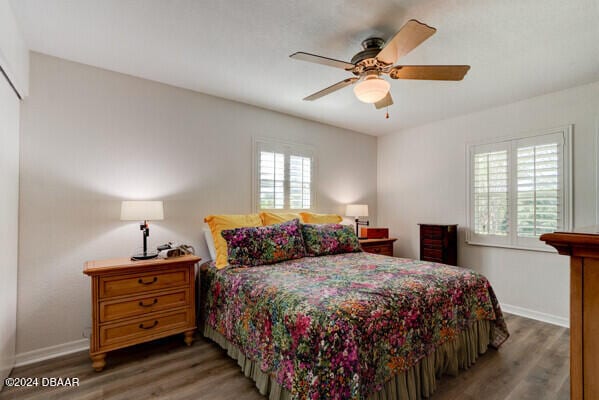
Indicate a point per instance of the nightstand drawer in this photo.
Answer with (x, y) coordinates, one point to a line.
(432, 233)
(137, 329)
(143, 282)
(432, 253)
(433, 229)
(433, 243)
(113, 310)
(378, 246)
(386, 250)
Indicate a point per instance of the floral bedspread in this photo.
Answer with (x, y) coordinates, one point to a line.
(340, 326)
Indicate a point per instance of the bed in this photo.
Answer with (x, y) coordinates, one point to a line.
(350, 326)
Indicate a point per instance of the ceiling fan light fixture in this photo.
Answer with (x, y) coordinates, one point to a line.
(371, 89)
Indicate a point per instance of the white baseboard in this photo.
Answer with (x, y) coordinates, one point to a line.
(47, 353)
(539, 316)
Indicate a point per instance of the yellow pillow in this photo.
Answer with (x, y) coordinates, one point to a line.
(219, 223)
(311, 218)
(269, 218)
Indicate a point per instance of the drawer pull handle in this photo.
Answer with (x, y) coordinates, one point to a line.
(141, 303)
(141, 281)
(141, 326)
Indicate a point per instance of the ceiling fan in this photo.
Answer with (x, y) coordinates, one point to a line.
(377, 59)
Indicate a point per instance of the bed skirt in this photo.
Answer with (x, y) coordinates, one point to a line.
(416, 383)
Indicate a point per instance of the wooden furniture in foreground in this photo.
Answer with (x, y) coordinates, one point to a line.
(583, 248)
(137, 301)
(378, 246)
(439, 243)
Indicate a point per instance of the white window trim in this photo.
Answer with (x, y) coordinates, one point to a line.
(287, 147)
(512, 241)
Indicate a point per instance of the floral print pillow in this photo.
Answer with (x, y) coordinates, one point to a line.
(321, 240)
(264, 244)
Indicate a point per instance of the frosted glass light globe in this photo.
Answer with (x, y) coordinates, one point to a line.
(371, 89)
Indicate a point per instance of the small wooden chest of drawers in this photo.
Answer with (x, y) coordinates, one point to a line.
(137, 301)
(378, 246)
(439, 243)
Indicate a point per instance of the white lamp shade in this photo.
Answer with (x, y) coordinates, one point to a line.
(371, 89)
(142, 211)
(356, 210)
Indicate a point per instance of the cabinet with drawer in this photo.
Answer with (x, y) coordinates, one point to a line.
(378, 246)
(439, 243)
(137, 301)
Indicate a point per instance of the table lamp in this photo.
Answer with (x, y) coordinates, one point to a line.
(142, 211)
(356, 211)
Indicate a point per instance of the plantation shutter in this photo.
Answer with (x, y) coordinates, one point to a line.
(490, 192)
(520, 189)
(283, 176)
(272, 180)
(539, 185)
(300, 180)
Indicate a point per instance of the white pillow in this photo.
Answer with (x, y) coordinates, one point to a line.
(210, 243)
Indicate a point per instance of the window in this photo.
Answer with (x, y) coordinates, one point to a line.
(284, 176)
(490, 192)
(519, 189)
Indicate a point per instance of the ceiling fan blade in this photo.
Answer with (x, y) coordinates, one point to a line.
(331, 89)
(408, 38)
(430, 72)
(300, 55)
(385, 102)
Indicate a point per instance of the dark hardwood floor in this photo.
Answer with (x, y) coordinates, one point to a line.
(532, 364)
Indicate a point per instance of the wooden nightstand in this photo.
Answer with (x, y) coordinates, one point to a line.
(378, 246)
(138, 301)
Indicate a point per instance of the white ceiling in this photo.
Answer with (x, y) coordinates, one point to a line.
(239, 49)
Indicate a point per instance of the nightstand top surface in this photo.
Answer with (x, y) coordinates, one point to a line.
(437, 224)
(96, 266)
(377, 240)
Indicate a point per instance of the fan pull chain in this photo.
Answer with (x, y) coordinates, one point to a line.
(387, 115)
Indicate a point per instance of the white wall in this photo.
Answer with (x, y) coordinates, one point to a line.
(422, 178)
(91, 138)
(9, 224)
(14, 54)
(14, 59)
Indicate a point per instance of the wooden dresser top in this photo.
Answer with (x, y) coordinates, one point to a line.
(566, 243)
(115, 264)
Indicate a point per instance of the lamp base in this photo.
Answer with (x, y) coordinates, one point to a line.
(144, 256)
